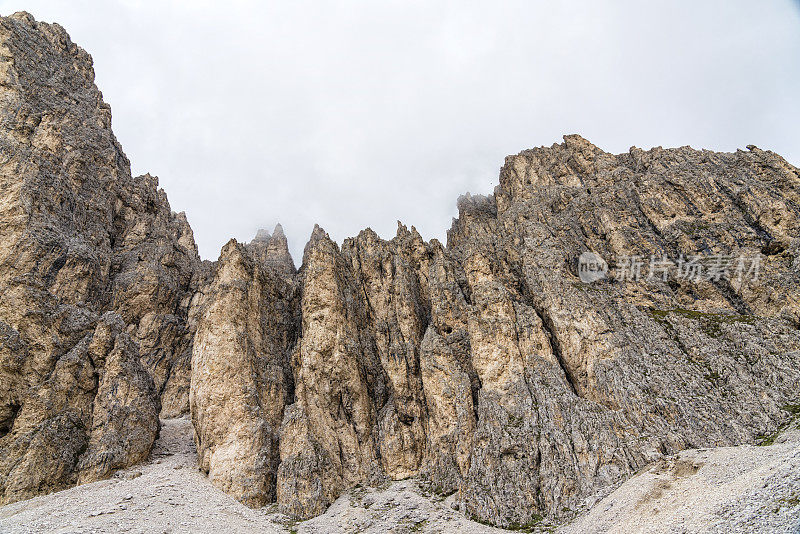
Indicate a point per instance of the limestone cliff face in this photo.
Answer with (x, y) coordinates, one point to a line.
(486, 367)
(241, 377)
(272, 251)
(95, 277)
(156, 274)
(618, 372)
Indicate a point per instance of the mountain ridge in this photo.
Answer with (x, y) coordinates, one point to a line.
(486, 368)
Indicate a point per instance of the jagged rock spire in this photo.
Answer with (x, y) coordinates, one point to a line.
(273, 251)
(262, 235)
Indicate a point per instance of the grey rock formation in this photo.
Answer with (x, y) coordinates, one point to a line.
(95, 275)
(486, 368)
(156, 273)
(273, 251)
(489, 369)
(241, 378)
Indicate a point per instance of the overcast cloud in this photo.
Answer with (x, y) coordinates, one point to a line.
(356, 114)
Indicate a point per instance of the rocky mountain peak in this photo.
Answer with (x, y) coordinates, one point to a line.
(262, 235)
(491, 369)
(96, 271)
(273, 251)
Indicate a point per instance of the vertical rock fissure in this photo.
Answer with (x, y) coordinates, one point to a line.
(746, 213)
(736, 301)
(8, 421)
(555, 344)
(549, 327)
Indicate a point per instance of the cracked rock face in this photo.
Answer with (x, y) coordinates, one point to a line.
(241, 377)
(486, 368)
(489, 369)
(96, 277)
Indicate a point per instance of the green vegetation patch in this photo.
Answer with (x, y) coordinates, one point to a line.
(793, 409)
(764, 440)
(526, 527)
(419, 525)
(710, 323)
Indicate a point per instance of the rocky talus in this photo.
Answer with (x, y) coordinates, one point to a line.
(487, 368)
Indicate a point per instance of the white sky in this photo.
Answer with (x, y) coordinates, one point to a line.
(356, 114)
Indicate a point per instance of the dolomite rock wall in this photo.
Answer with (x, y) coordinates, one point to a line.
(96, 277)
(241, 378)
(489, 369)
(484, 367)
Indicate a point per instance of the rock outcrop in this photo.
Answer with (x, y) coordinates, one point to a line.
(492, 369)
(96, 277)
(489, 369)
(241, 375)
(272, 251)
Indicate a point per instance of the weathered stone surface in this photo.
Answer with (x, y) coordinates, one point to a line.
(156, 270)
(273, 251)
(486, 368)
(125, 410)
(396, 304)
(95, 276)
(241, 377)
(328, 439)
(638, 376)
